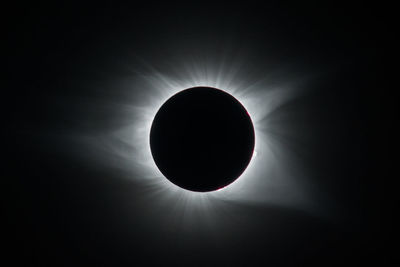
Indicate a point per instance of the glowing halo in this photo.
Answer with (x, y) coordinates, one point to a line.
(273, 175)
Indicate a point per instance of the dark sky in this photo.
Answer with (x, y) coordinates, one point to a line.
(62, 210)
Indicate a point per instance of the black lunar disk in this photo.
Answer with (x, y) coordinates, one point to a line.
(202, 139)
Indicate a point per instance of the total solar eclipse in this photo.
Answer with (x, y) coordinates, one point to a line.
(202, 139)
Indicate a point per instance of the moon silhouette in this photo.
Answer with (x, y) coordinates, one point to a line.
(202, 139)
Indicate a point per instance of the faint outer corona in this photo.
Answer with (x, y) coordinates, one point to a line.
(202, 139)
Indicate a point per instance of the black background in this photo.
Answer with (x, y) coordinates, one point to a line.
(62, 211)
